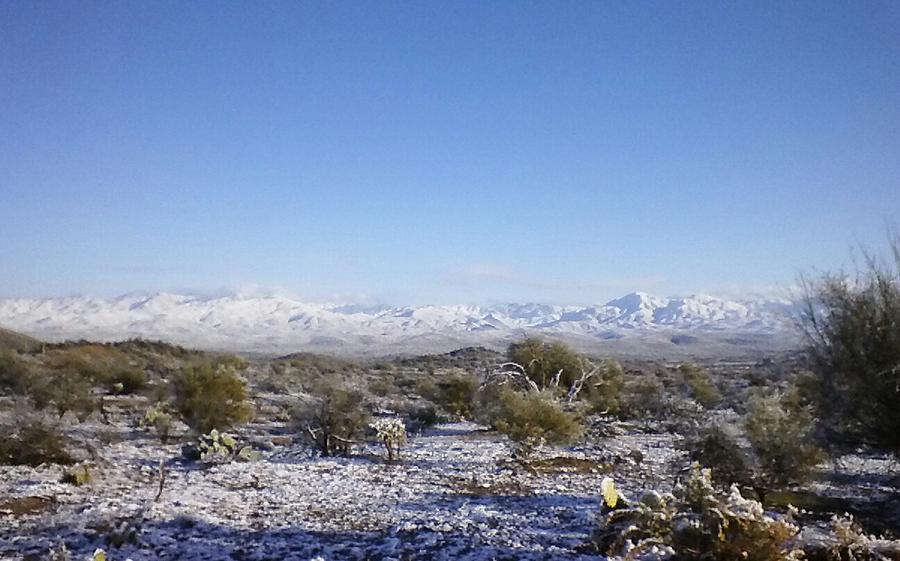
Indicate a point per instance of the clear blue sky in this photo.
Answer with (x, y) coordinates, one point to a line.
(443, 152)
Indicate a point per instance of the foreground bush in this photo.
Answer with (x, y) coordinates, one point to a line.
(696, 522)
(210, 396)
(852, 326)
(333, 418)
(29, 440)
(780, 437)
(532, 419)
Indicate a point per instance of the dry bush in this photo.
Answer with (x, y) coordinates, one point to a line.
(102, 365)
(15, 373)
(696, 522)
(333, 418)
(210, 396)
(28, 439)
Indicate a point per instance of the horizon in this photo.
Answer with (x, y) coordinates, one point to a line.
(422, 153)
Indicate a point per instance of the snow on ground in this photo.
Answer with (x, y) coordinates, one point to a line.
(455, 495)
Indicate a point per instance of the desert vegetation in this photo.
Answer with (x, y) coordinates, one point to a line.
(770, 460)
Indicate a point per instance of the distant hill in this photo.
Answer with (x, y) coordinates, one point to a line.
(12, 341)
(635, 323)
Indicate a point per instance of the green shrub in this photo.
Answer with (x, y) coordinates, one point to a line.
(333, 418)
(852, 327)
(456, 394)
(603, 391)
(126, 380)
(645, 397)
(697, 523)
(543, 361)
(531, 419)
(29, 440)
(700, 386)
(716, 448)
(210, 396)
(780, 437)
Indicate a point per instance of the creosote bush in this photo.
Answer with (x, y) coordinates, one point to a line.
(533, 418)
(699, 385)
(716, 447)
(456, 394)
(852, 328)
(543, 361)
(210, 396)
(780, 437)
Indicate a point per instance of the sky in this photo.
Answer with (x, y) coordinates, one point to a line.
(443, 152)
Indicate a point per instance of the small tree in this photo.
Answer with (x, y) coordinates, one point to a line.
(852, 328)
(544, 362)
(210, 396)
(333, 417)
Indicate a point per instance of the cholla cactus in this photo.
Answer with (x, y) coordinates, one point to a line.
(696, 521)
(392, 433)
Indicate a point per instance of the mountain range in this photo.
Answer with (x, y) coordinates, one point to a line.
(275, 324)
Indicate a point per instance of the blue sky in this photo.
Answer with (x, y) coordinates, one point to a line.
(443, 152)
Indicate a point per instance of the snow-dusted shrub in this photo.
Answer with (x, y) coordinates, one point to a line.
(210, 396)
(696, 522)
(392, 433)
(533, 418)
(851, 543)
(333, 417)
(28, 439)
(780, 437)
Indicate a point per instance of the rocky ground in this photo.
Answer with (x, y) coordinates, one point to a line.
(455, 494)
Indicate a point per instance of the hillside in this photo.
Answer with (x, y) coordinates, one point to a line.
(12, 341)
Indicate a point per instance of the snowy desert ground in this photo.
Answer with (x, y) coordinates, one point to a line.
(455, 494)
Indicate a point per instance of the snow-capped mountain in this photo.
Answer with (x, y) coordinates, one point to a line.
(279, 323)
